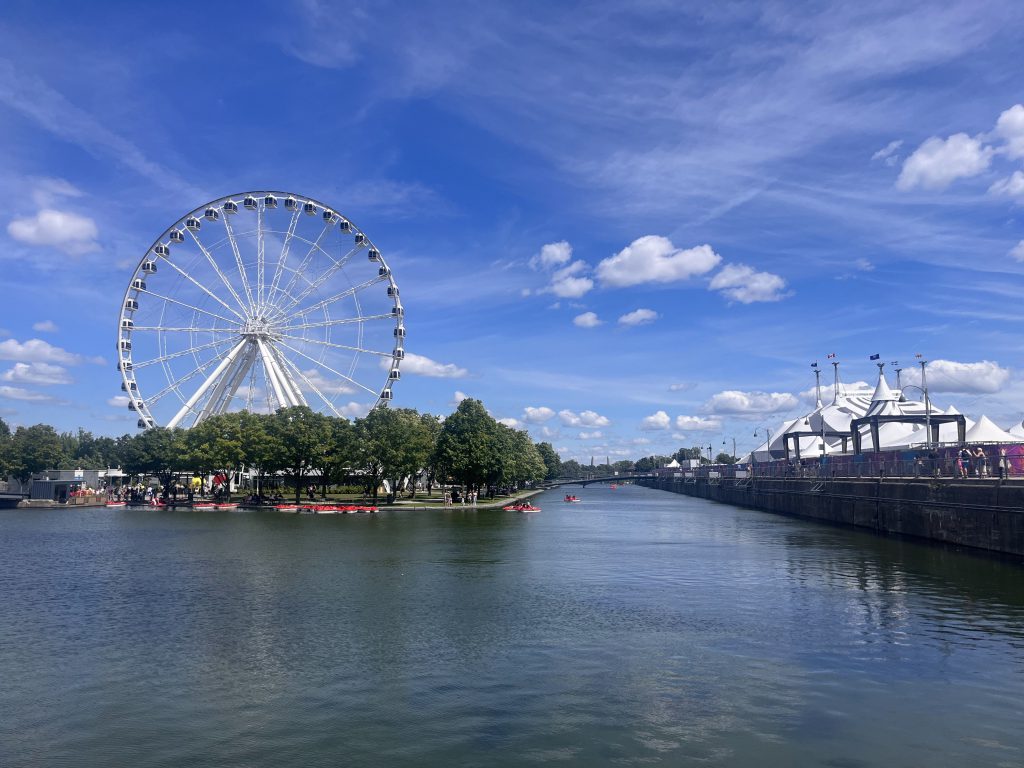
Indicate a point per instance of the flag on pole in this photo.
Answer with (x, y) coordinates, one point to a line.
(814, 365)
(831, 355)
(874, 357)
(919, 355)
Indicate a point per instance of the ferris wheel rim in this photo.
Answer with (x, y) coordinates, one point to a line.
(240, 319)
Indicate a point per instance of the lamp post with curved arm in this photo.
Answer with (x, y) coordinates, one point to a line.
(753, 453)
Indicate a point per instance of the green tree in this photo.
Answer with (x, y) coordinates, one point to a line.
(159, 452)
(552, 461)
(299, 437)
(648, 463)
(5, 450)
(339, 453)
(394, 444)
(571, 470)
(465, 450)
(688, 453)
(725, 458)
(34, 449)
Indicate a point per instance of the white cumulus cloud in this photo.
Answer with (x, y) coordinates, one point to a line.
(654, 259)
(419, 365)
(937, 163)
(65, 231)
(36, 351)
(595, 435)
(656, 421)
(45, 326)
(120, 401)
(1010, 127)
(732, 401)
(698, 424)
(354, 410)
(586, 320)
(569, 282)
(458, 397)
(510, 422)
(583, 419)
(638, 317)
(746, 285)
(552, 255)
(327, 385)
(537, 415)
(984, 377)
(1013, 186)
(37, 373)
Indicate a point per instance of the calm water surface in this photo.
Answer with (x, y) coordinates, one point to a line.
(636, 628)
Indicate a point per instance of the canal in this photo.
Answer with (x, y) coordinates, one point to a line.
(637, 628)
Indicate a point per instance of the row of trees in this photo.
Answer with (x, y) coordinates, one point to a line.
(573, 470)
(469, 448)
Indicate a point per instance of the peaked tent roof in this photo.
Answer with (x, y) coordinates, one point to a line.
(985, 431)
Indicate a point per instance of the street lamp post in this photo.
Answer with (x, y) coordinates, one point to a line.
(733, 448)
(753, 457)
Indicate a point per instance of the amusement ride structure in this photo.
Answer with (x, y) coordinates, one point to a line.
(259, 301)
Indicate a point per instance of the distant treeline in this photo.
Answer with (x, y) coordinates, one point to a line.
(469, 448)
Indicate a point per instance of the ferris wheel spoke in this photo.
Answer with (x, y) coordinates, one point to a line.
(184, 329)
(260, 252)
(339, 296)
(180, 353)
(203, 288)
(238, 260)
(327, 275)
(283, 258)
(173, 386)
(216, 268)
(337, 346)
(311, 385)
(327, 367)
(187, 305)
(306, 259)
(338, 321)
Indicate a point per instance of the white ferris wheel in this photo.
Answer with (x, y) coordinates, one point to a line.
(259, 301)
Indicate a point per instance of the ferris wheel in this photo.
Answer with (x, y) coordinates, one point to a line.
(259, 301)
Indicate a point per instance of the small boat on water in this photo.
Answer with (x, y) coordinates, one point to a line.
(226, 506)
(117, 503)
(572, 499)
(204, 507)
(287, 507)
(525, 507)
(614, 486)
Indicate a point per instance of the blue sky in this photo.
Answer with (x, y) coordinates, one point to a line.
(625, 228)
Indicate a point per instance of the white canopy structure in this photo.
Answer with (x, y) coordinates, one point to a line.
(985, 431)
(1017, 430)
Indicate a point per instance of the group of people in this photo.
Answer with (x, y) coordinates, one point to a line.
(968, 463)
(453, 497)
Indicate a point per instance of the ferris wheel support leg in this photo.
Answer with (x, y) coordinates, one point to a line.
(228, 385)
(210, 381)
(294, 391)
(271, 367)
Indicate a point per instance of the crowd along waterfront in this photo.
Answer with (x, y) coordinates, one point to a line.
(635, 627)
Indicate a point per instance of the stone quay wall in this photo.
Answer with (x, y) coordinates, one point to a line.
(984, 514)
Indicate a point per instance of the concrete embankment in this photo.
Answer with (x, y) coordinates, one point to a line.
(985, 514)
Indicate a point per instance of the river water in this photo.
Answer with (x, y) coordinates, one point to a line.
(637, 628)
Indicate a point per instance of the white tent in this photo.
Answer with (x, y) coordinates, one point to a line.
(985, 431)
(672, 465)
(1017, 430)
